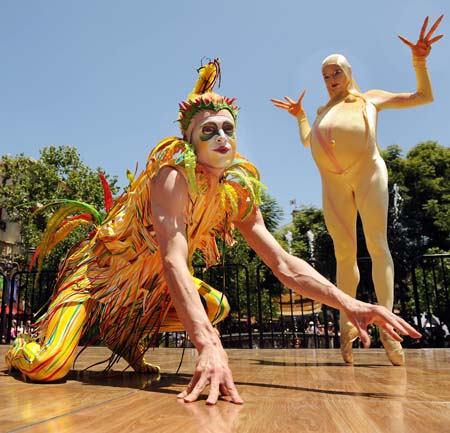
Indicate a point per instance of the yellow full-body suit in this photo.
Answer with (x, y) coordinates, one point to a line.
(354, 180)
(115, 279)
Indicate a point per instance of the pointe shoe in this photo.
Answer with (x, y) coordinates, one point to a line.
(394, 349)
(348, 335)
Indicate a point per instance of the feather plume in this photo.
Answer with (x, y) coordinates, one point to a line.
(78, 204)
(107, 195)
(130, 176)
(62, 217)
(207, 78)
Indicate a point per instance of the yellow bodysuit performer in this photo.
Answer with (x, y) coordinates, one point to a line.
(132, 278)
(354, 175)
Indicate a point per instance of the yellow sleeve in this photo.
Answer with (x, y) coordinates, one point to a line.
(304, 129)
(423, 94)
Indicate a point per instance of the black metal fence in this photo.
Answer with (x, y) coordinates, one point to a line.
(23, 299)
(264, 313)
(429, 297)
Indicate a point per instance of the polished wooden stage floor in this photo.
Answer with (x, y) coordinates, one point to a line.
(284, 390)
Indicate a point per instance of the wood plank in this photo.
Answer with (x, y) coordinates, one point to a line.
(285, 390)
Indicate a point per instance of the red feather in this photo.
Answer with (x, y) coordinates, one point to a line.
(107, 196)
(34, 258)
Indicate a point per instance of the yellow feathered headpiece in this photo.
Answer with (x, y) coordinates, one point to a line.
(202, 96)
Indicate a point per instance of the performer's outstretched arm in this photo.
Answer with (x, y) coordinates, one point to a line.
(296, 109)
(424, 93)
(169, 203)
(304, 279)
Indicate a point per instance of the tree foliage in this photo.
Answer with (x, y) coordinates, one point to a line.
(421, 218)
(419, 224)
(59, 173)
(310, 239)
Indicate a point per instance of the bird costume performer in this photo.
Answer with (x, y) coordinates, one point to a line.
(133, 277)
(354, 175)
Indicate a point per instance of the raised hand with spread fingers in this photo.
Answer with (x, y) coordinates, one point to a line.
(423, 45)
(293, 107)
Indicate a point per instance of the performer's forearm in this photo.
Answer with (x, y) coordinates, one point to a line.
(301, 277)
(424, 91)
(422, 95)
(188, 305)
(304, 128)
(293, 272)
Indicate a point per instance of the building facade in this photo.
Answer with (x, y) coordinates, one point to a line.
(10, 245)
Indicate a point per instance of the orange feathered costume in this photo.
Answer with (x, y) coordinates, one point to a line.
(115, 280)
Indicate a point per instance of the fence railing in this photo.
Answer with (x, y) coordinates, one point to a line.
(23, 299)
(266, 314)
(430, 290)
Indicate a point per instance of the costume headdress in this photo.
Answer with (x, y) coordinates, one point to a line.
(180, 152)
(202, 96)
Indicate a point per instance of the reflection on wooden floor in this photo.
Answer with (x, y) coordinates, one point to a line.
(284, 391)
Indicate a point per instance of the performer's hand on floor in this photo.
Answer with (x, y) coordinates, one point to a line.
(362, 314)
(212, 369)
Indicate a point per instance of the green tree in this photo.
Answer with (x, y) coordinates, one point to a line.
(419, 223)
(310, 239)
(428, 179)
(59, 173)
(420, 217)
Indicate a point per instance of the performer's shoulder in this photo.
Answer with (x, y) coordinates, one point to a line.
(375, 96)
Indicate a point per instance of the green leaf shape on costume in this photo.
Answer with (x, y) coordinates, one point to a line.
(232, 196)
(250, 183)
(190, 161)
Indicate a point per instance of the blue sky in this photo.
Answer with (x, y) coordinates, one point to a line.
(106, 76)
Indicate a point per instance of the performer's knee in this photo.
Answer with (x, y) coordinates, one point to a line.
(345, 254)
(215, 303)
(220, 311)
(377, 246)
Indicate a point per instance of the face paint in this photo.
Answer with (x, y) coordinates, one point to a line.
(214, 139)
